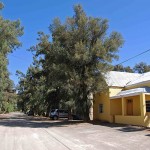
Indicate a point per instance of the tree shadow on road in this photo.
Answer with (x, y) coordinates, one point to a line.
(33, 122)
(44, 122)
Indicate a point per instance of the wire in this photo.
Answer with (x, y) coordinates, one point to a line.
(133, 57)
(116, 65)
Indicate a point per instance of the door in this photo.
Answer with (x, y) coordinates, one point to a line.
(63, 113)
(129, 107)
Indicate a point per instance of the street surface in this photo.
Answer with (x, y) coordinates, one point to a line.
(20, 132)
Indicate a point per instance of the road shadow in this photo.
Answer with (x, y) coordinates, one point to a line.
(106, 124)
(36, 122)
(119, 127)
(148, 135)
(25, 121)
(132, 129)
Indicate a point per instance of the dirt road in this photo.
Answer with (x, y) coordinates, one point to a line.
(20, 132)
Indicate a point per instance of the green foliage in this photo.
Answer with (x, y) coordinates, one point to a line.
(9, 103)
(8, 107)
(141, 67)
(121, 68)
(31, 90)
(10, 31)
(74, 63)
(138, 68)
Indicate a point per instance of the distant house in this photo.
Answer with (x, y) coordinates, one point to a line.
(127, 100)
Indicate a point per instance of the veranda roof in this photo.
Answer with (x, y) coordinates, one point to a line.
(132, 92)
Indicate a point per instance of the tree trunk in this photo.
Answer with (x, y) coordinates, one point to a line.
(86, 112)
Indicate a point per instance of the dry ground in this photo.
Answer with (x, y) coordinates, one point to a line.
(20, 132)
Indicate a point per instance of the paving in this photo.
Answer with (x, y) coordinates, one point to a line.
(20, 132)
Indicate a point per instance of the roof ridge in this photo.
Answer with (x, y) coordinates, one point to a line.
(125, 72)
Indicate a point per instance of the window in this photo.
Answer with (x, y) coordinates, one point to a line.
(130, 101)
(100, 108)
(148, 106)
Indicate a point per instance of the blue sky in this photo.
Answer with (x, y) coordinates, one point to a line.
(129, 17)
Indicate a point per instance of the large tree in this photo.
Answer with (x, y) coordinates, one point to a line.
(34, 92)
(78, 57)
(141, 67)
(121, 68)
(10, 31)
(31, 90)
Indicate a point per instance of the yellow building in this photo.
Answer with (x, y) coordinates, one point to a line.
(127, 101)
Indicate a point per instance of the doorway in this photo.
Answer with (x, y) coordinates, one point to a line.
(129, 107)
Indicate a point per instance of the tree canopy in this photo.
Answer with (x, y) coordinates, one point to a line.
(121, 68)
(75, 61)
(140, 67)
(10, 31)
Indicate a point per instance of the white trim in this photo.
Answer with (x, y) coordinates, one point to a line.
(120, 96)
(127, 95)
(135, 84)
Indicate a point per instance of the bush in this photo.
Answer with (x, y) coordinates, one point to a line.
(8, 107)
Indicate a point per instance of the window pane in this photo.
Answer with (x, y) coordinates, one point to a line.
(148, 106)
(100, 108)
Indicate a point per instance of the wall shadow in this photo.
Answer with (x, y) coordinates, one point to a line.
(148, 135)
(107, 124)
(132, 129)
(119, 127)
